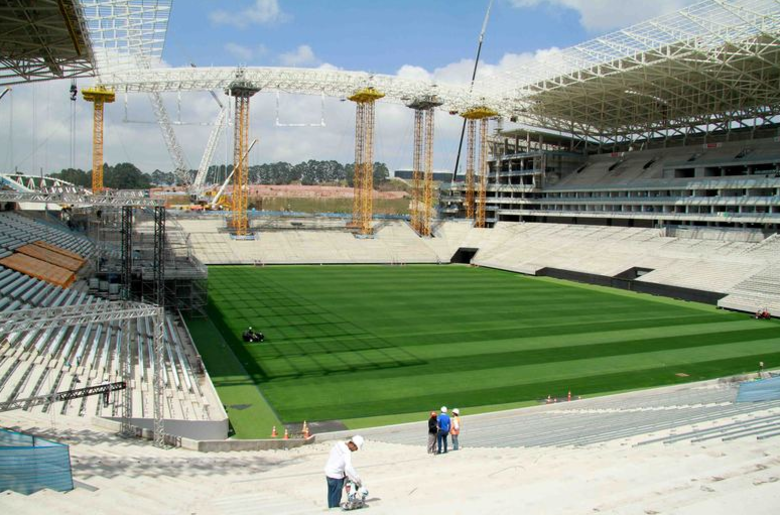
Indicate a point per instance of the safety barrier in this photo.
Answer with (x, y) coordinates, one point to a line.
(29, 464)
(756, 391)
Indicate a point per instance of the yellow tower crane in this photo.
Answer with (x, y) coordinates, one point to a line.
(98, 96)
(483, 114)
(242, 91)
(362, 203)
(422, 173)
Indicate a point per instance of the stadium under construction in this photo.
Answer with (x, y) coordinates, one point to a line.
(589, 283)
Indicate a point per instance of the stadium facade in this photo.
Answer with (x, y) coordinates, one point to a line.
(673, 121)
(721, 180)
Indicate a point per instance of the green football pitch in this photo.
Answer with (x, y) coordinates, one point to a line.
(377, 344)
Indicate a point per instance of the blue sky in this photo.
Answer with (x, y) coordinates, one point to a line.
(368, 35)
(423, 38)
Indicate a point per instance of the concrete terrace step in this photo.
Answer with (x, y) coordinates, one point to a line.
(271, 502)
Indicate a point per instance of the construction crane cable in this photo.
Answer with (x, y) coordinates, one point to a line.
(471, 86)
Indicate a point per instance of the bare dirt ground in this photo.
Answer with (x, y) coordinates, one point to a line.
(295, 191)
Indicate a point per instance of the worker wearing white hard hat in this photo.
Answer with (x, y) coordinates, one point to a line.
(443, 422)
(339, 467)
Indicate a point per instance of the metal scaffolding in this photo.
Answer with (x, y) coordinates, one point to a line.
(77, 198)
(158, 265)
(483, 173)
(417, 171)
(67, 395)
(185, 278)
(483, 114)
(159, 344)
(362, 203)
(98, 96)
(239, 221)
(427, 214)
(42, 319)
(422, 172)
(126, 369)
(127, 251)
(471, 130)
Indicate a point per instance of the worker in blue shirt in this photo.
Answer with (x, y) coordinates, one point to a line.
(443, 422)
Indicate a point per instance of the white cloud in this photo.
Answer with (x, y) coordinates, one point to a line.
(245, 54)
(261, 12)
(328, 67)
(511, 69)
(301, 56)
(240, 52)
(601, 15)
(410, 72)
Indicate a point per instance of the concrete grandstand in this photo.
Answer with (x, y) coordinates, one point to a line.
(663, 186)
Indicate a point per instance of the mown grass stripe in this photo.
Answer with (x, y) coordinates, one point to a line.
(408, 338)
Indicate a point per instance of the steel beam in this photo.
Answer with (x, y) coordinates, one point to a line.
(63, 396)
(78, 199)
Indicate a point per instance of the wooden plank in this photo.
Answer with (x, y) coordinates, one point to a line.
(50, 256)
(60, 250)
(39, 269)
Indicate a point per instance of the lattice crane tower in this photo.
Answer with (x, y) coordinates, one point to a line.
(483, 114)
(98, 96)
(362, 203)
(422, 173)
(239, 223)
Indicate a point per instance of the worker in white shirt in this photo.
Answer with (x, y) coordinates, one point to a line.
(339, 467)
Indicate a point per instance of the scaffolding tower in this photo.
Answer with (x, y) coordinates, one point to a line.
(483, 114)
(471, 129)
(159, 329)
(362, 202)
(422, 173)
(238, 224)
(425, 230)
(127, 251)
(130, 242)
(98, 96)
(417, 171)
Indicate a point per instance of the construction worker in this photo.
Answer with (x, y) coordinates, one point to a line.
(443, 422)
(339, 467)
(455, 428)
(433, 428)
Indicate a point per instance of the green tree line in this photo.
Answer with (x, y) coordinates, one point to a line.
(128, 176)
(122, 176)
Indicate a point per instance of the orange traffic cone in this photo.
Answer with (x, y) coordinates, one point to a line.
(286, 434)
(274, 434)
(305, 430)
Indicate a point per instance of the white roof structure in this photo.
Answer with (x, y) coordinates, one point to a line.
(126, 34)
(712, 66)
(43, 40)
(714, 63)
(51, 39)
